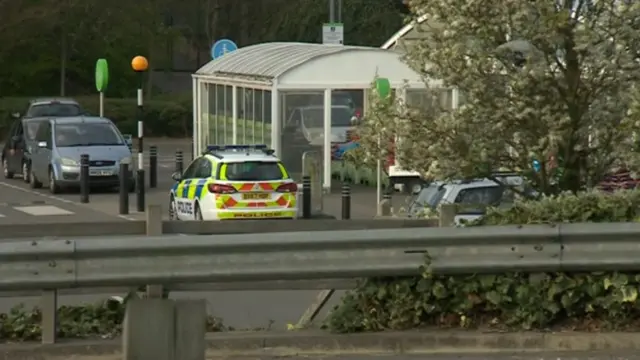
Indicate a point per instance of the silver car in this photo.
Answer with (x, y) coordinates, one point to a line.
(60, 143)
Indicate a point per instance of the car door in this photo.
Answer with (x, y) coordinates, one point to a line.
(184, 206)
(17, 149)
(9, 146)
(41, 156)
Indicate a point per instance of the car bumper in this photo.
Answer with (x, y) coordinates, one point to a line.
(271, 214)
(70, 176)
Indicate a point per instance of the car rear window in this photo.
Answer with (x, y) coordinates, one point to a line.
(254, 171)
(54, 109)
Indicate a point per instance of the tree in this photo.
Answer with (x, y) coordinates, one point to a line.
(542, 81)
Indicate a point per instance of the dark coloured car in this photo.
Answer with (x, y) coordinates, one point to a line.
(52, 108)
(19, 145)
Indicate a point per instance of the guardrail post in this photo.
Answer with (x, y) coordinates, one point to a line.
(149, 330)
(179, 162)
(154, 228)
(346, 202)
(124, 189)
(447, 215)
(306, 197)
(84, 178)
(163, 329)
(153, 166)
(190, 329)
(49, 309)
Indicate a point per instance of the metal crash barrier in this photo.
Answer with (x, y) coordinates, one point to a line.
(312, 167)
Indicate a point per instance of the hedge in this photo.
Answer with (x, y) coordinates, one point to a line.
(165, 117)
(507, 301)
(250, 131)
(348, 172)
(103, 319)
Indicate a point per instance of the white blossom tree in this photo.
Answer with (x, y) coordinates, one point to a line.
(550, 81)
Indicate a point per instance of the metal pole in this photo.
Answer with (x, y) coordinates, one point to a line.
(346, 202)
(140, 188)
(84, 178)
(179, 163)
(140, 173)
(306, 197)
(340, 11)
(332, 11)
(153, 166)
(101, 104)
(124, 188)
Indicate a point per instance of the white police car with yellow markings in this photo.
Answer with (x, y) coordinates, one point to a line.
(234, 182)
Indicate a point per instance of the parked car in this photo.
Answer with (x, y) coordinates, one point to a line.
(52, 107)
(18, 146)
(306, 124)
(473, 196)
(60, 143)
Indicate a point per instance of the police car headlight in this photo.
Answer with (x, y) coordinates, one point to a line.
(68, 162)
(126, 160)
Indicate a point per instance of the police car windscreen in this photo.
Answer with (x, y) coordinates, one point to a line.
(254, 171)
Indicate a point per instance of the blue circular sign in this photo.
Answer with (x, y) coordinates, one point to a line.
(222, 47)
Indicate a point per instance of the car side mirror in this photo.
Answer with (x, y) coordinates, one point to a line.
(176, 176)
(42, 144)
(15, 115)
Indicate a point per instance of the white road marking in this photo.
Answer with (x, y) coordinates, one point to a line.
(43, 210)
(15, 187)
(126, 217)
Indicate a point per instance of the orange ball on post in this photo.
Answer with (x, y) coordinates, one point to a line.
(139, 64)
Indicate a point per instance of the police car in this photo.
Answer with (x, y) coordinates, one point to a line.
(234, 182)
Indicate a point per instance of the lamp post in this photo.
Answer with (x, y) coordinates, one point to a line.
(140, 65)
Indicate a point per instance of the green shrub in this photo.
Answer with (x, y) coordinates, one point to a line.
(103, 319)
(507, 301)
(161, 117)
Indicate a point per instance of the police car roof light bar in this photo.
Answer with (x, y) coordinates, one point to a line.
(236, 147)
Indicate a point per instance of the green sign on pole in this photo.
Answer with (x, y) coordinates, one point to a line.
(102, 75)
(383, 87)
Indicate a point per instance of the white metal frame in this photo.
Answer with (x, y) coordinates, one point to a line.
(277, 105)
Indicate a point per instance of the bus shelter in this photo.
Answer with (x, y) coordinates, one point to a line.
(298, 98)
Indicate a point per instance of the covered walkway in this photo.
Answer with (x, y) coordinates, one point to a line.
(295, 97)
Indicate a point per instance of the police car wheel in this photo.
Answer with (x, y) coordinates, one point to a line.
(197, 214)
(172, 209)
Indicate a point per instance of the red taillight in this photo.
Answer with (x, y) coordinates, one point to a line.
(221, 189)
(287, 188)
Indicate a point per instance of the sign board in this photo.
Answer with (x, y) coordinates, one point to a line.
(333, 34)
(222, 47)
(102, 75)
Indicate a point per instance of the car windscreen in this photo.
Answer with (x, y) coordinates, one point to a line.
(314, 118)
(87, 134)
(254, 171)
(428, 197)
(54, 110)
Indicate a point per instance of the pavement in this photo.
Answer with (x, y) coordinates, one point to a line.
(405, 345)
(20, 204)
